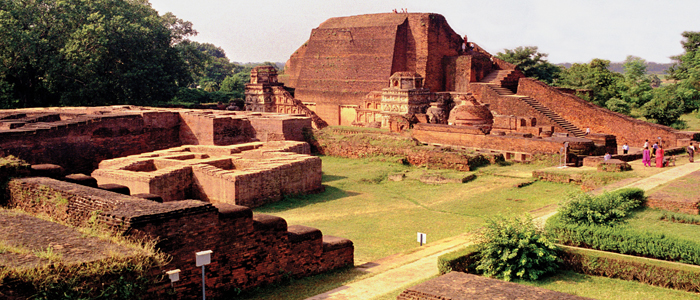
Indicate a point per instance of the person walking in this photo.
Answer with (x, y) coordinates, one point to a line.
(691, 152)
(625, 148)
(660, 156)
(646, 157)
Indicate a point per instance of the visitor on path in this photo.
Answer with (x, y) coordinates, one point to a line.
(607, 156)
(646, 144)
(659, 157)
(654, 148)
(691, 152)
(646, 157)
(625, 148)
(588, 130)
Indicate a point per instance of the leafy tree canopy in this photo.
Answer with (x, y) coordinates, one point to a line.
(593, 76)
(531, 62)
(99, 52)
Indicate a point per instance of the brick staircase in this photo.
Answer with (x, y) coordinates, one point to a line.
(551, 115)
(503, 79)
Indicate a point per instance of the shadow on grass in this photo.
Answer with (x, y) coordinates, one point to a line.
(296, 201)
(329, 178)
(291, 288)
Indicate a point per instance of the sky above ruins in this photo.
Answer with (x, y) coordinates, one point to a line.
(569, 31)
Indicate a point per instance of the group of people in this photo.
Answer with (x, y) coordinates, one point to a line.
(657, 151)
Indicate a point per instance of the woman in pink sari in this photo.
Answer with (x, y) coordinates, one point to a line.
(660, 157)
(646, 157)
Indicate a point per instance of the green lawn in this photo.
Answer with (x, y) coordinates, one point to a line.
(382, 217)
(606, 288)
(648, 220)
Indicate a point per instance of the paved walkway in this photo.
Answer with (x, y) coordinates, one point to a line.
(405, 270)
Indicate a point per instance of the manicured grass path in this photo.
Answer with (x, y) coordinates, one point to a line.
(382, 218)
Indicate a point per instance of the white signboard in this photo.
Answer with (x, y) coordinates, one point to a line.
(203, 258)
(421, 238)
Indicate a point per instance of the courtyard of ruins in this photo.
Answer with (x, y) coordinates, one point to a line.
(382, 126)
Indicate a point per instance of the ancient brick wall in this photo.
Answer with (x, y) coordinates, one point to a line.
(348, 57)
(469, 137)
(205, 128)
(79, 142)
(584, 114)
(509, 105)
(248, 250)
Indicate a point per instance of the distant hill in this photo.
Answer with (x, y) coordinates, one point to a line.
(652, 67)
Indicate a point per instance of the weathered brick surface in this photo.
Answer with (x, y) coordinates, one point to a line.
(345, 58)
(246, 174)
(83, 137)
(584, 114)
(248, 250)
(462, 286)
(471, 137)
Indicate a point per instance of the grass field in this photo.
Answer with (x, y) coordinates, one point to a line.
(382, 217)
(606, 288)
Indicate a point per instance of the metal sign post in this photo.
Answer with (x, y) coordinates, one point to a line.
(203, 259)
(421, 238)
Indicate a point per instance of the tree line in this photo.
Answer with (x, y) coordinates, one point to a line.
(106, 52)
(633, 92)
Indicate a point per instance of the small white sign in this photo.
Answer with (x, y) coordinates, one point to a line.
(203, 258)
(174, 275)
(421, 238)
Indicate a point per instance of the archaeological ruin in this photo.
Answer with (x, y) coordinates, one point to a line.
(190, 177)
(410, 70)
(184, 177)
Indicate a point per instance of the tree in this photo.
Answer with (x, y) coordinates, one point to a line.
(686, 70)
(515, 248)
(635, 88)
(666, 107)
(74, 52)
(593, 76)
(531, 62)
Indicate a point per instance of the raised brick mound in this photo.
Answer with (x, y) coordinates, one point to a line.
(463, 286)
(148, 196)
(680, 195)
(81, 179)
(249, 249)
(614, 165)
(113, 187)
(47, 170)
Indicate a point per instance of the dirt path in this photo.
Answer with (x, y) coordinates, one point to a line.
(407, 269)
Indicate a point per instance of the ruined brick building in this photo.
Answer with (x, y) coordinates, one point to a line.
(354, 71)
(205, 167)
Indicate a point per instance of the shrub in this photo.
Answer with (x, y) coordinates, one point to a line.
(462, 260)
(658, 273)
(623, 239)
(606, 209)
(515, 248)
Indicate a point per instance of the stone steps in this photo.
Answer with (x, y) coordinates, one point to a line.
(553, 116)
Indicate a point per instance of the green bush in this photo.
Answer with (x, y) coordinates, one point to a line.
(606, 209)
(623, 239)
(462, 260)
(515, 248)
(612, 265)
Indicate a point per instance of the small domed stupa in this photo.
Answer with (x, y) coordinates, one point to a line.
(471, 113)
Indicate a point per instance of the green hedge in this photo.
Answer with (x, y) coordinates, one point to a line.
(597, 263)
(606, 209)
(626, 240)
(647, 271)
(462, 260)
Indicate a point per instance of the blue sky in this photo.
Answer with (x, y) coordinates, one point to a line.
(569, 31)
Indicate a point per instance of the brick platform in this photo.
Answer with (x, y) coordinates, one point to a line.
(463, 286)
